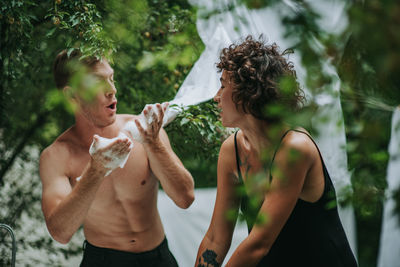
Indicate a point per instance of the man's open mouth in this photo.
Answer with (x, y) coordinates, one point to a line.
(112, 106)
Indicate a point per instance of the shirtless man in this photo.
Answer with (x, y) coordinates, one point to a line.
(118, 212)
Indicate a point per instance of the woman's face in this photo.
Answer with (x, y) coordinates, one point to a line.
(228, 111)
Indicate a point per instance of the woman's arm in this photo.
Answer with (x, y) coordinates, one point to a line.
(291, 165)
(216, 242)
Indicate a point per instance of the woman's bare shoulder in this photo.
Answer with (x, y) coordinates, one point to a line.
(299, 142)
(228, 146)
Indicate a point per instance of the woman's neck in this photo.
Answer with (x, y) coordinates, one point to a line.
(259, 134)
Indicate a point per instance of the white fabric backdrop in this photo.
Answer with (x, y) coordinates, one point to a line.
(202, 83)
(389, 250)
(186, 228)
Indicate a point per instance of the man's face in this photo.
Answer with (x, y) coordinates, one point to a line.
(101, 109)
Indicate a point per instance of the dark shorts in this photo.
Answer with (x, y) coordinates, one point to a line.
(94, 256)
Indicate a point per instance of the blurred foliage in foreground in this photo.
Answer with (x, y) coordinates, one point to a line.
(153, 45)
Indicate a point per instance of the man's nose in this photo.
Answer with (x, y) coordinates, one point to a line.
(110, 91)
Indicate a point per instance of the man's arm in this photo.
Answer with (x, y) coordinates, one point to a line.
(176, 181)
(64, 207)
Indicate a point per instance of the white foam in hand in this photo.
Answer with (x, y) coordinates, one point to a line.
(117, 160)
(145, 120)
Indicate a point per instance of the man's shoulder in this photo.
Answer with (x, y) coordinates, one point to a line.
(124, 118)
(59, 148)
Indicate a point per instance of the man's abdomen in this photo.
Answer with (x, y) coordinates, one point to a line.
(123, 220)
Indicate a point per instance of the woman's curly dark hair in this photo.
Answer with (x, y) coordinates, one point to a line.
(257, 70)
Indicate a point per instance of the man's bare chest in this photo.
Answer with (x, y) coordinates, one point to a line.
(134, 177)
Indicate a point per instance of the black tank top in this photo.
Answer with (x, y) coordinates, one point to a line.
(313, 235)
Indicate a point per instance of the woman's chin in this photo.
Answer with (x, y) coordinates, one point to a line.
(226, 124)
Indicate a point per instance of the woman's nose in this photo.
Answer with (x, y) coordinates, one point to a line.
(217, 96)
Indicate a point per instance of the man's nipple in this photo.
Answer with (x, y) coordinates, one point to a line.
(143, 182)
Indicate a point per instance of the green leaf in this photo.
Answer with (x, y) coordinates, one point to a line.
(50, 33)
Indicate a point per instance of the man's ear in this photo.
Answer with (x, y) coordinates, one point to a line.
(68, 93)
(71, 97)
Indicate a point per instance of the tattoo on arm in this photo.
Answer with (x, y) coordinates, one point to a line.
(209, 259)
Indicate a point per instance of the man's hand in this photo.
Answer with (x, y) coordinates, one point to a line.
(110, 154)
(154, 116)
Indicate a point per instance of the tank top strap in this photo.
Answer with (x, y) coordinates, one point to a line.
(238, 159)
(244, 206)
(325, 170)
(326, 174)
(276, 150)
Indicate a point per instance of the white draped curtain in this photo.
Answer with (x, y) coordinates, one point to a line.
(389, 249)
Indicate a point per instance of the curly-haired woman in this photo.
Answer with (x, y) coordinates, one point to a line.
(288, 194)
